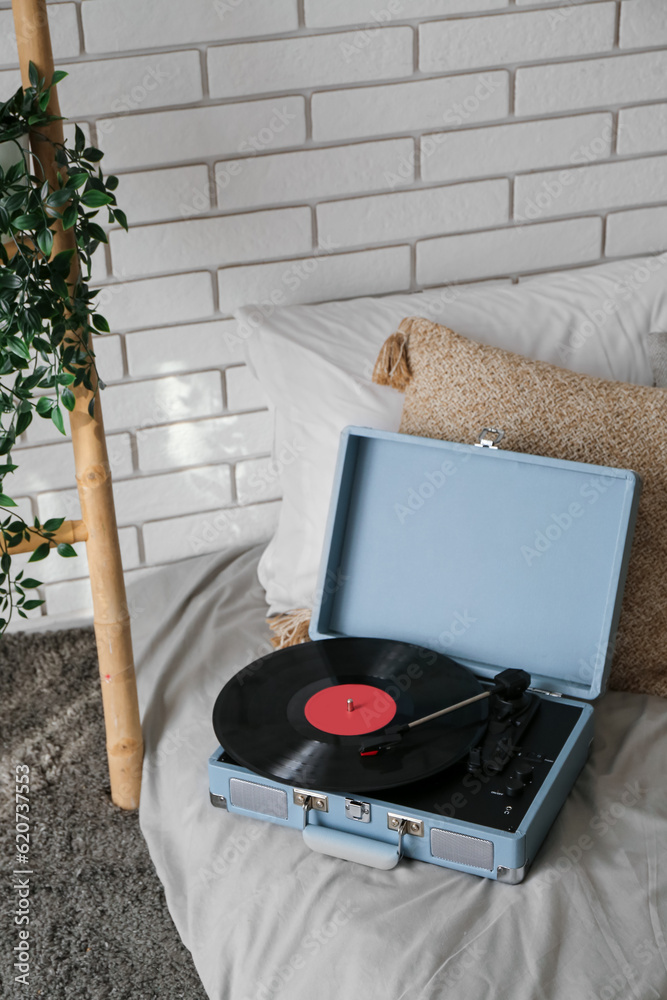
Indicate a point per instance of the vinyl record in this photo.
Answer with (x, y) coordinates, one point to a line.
(301, 715)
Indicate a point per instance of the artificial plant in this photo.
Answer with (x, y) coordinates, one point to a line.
(47, 320)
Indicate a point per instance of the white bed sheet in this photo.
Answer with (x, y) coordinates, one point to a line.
(265, 918)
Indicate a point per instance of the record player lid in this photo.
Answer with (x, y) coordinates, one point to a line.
(496, 558)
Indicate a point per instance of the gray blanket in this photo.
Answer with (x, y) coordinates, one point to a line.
(264, 918)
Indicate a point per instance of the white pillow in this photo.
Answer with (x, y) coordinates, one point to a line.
(315, 363)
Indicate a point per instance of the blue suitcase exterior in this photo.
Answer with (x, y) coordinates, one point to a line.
(495, 558)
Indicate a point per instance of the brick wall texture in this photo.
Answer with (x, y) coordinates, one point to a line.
(301, 150)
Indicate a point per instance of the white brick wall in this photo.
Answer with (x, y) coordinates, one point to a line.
(300, 150)
(492, 41)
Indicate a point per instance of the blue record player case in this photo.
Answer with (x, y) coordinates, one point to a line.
(499, 560)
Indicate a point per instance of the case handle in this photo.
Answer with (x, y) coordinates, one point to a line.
(362, 850)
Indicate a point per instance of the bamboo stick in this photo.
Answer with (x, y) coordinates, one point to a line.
(93, 475)
(69, 532)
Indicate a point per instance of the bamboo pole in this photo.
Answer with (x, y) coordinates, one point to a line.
(69, 532)
(93, 475)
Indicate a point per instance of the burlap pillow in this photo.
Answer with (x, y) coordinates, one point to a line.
(657, 352)
(454, 387)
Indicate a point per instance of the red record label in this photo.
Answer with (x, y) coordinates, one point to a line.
(350, 709)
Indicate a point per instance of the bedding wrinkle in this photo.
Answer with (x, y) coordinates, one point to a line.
(463, 947)
(622, 961)
(651, 843)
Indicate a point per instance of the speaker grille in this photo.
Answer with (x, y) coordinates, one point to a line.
(258, 798)
(462, 849)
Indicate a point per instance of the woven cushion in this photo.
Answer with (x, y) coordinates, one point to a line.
(657, 352)
(454, 387)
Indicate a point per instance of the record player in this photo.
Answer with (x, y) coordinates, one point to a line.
(466, 611)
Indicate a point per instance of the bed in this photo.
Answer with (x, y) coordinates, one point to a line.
(265, 917)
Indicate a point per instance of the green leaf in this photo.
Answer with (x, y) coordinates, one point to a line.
(43, 101)
(66, 550)
(41, 552)
(69, 399)
(92, 155)
(15, 172)
(59, 75)
(59, 286)
(7, 441)
(112, 182)
(59, 198)
(6, 562)
(97, 232)
(44, 405)
(70, 216)
(95, 199)
(61, 262)
(23, 421)
(9, 280)
(57, 418)
(91, 407)
(100, 323)
(29, 221)
(6, 501)
(30, 584)
(29, 605)
(45, 241)
(77, 180)
(79, 139)
(120, 217)
(53, 523)
(33, 75)
(18, 347)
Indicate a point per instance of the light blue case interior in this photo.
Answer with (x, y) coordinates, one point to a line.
(495, 558)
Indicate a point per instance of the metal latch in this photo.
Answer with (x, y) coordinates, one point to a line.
(490, 437)
(358, 810)
(310, 800)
